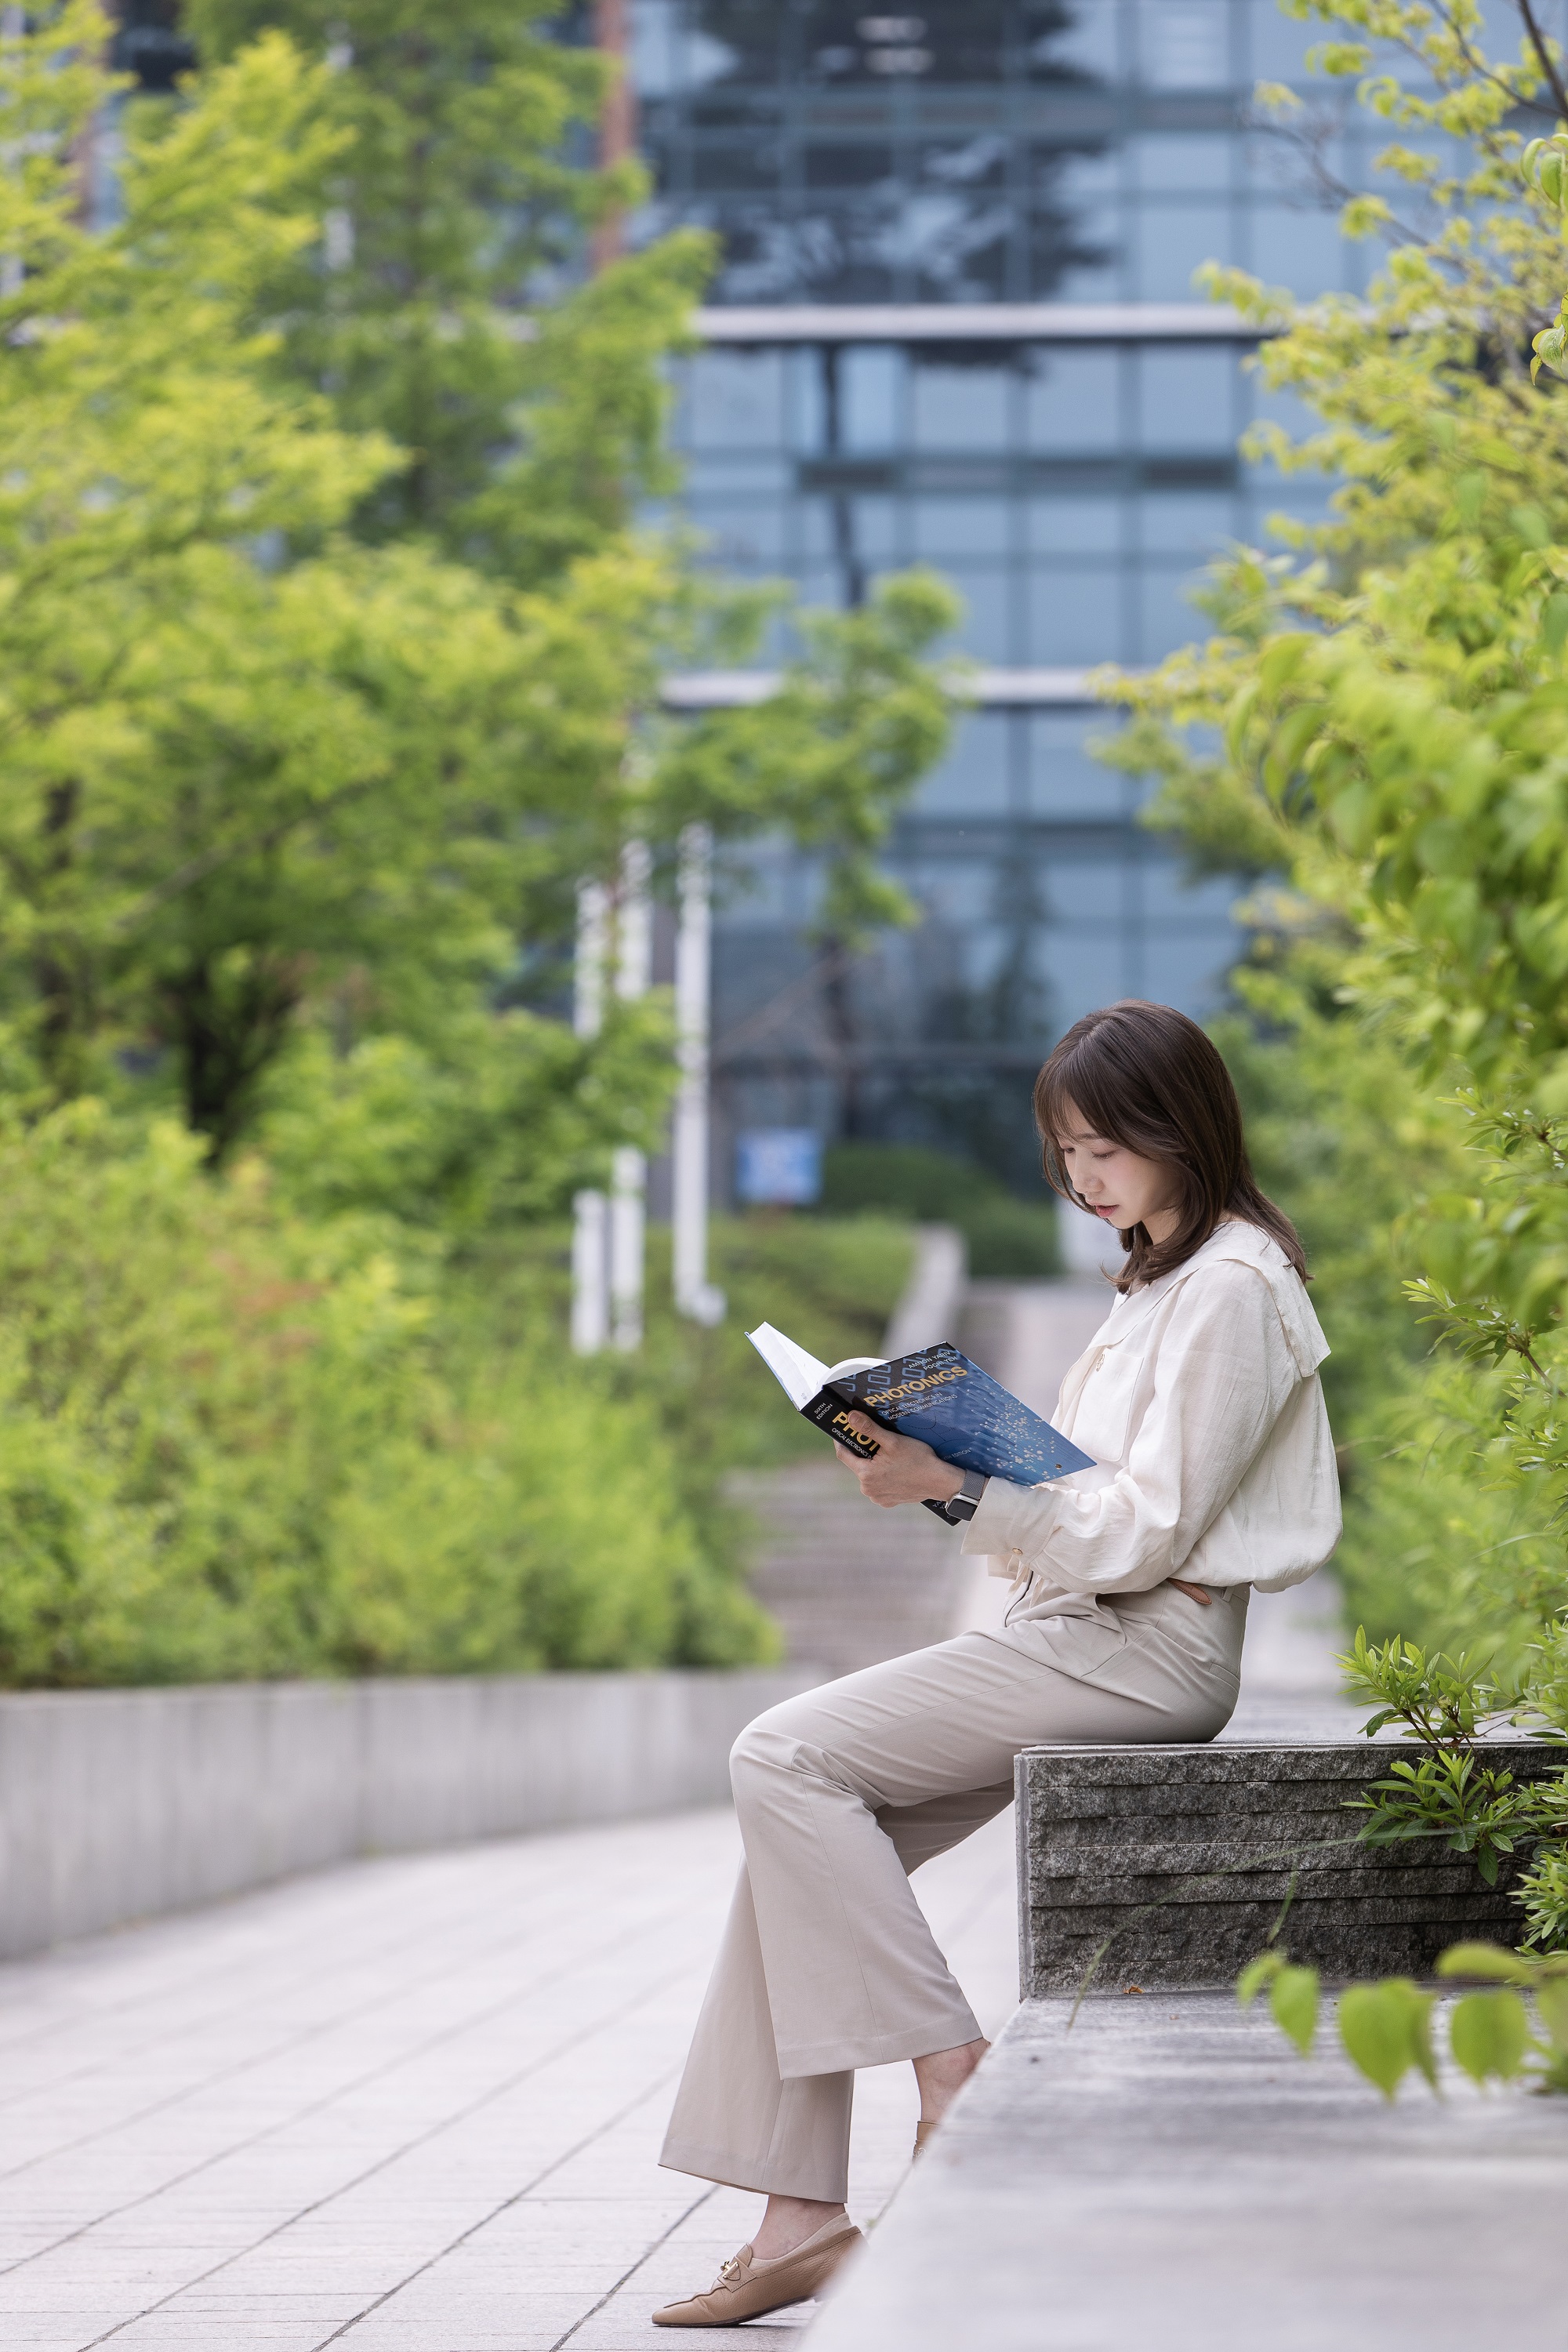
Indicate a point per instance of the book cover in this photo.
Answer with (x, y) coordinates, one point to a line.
(936, 1394)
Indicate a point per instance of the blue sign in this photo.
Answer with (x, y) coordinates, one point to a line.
(781, 1166)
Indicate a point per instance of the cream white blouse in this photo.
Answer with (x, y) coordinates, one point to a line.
(1199, 1399)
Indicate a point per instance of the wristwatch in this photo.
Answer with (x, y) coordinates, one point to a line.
(966, 1502)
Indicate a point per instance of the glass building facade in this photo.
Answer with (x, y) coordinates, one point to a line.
(984, 151)
(954, 323)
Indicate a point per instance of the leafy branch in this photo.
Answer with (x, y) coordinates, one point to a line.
(1386, 2027)
(1450, 1790)
(1444, 1703)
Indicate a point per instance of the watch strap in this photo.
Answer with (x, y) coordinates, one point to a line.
(966, 1502)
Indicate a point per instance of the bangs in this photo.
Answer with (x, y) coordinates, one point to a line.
(1070, 1078)
(1087, 1072)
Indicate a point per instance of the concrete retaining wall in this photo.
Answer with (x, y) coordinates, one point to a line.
(115, 1805)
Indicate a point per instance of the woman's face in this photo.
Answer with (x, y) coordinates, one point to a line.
(1119, 1186)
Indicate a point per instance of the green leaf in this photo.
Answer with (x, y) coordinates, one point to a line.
(1255, 1975)
(1484, 1960)
(1295, 731)
(1489, 2033)
(1283, 659)
(1470, 496)
(1552, 2004)
(1293, 2001)
(1386, 2031)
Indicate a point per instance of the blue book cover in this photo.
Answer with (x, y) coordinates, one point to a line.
(961, 1413)
(936, 1394)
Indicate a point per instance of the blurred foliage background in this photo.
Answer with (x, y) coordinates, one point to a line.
(329, 650)
(329, 658)
(1004, 1235)
(1373, 737)
(240, 1441)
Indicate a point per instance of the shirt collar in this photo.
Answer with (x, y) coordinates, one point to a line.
(1250, 1245)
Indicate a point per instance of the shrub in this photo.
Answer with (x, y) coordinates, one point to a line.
(236, 1444)
(1005, 1236)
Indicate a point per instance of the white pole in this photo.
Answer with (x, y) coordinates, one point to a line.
(628, 1181)
(337, 221)
(590, 1260)
(694, 1293)
(13, 28)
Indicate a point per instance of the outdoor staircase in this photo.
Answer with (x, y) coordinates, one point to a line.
(848, 1584)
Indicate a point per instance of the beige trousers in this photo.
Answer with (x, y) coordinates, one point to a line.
(827, 1963)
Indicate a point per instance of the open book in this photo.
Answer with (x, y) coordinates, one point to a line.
(935, 1394)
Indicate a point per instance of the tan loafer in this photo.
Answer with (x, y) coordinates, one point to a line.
(746, 2287)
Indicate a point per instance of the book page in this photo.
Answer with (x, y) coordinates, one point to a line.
(799, 1375)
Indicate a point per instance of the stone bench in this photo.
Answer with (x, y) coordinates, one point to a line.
(1167, 2175)
(1167, 2171)
(1183, 1856)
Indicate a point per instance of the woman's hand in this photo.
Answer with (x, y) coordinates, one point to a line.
(902, 1470)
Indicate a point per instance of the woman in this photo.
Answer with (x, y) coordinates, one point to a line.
(1200, 1403)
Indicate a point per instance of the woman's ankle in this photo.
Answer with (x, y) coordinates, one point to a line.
(942, 2074)
(787, 2222)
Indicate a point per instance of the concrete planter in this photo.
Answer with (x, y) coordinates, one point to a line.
(1185, 1855)
(115, 1805)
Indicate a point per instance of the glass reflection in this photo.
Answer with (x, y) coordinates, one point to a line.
(897, 173)
(1184, 44)
(992, 151)
(975, 151)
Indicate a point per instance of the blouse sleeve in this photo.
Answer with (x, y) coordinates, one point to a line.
(1222, 1374)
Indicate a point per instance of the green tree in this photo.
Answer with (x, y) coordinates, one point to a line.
(1388, 699)
(285, 779)
(259, 775)
(533, 404)
(232, 781)
(447, 309)
(143, 460)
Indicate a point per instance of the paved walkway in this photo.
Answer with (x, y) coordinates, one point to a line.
(414, 2105)
(405, 2106)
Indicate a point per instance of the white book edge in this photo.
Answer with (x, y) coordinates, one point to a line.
(799, 1375)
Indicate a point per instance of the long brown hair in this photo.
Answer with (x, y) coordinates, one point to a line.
(1146, 1077)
